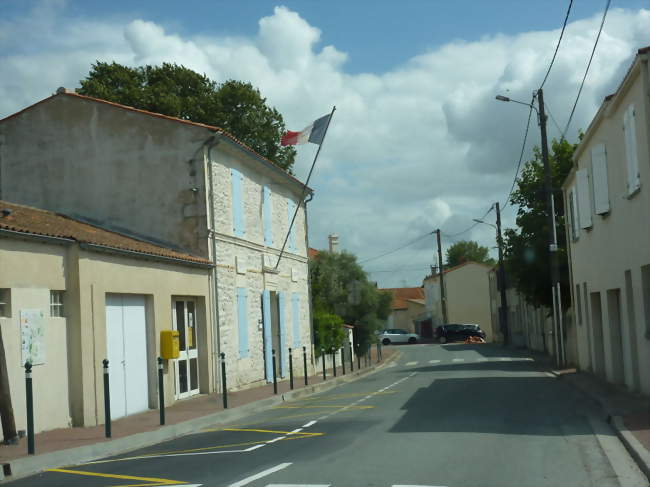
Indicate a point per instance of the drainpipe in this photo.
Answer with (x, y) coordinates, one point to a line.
(311, 309)
(216, 336)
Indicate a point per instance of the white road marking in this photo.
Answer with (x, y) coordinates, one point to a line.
(434, 361)
(311, 423)
(185, 485)
(505, 359)
(297, 430)
(278, 438)
(458, 360)
(418, 485)
(255, 447)
(392, 364)
(259, 475)
(298, 485)
(410, 363)
(481, 359)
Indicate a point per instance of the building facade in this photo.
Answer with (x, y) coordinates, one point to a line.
(74, 294)
(407, 306)
(184, 185)
(608, 230)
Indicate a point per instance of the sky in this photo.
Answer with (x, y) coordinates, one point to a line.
(417, 142)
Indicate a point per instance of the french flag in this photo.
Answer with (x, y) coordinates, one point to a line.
(314, 133)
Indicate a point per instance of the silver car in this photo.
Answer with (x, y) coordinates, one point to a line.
(397, 335)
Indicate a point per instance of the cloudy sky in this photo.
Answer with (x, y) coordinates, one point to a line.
(418, 141)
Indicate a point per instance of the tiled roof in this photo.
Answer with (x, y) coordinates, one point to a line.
(402, 294)
(65, 92)
(28, 220)
(312, 253)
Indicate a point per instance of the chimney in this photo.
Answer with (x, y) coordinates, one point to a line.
(334, 242)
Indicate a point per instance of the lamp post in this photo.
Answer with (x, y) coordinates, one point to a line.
(550, 208)
(503, 309)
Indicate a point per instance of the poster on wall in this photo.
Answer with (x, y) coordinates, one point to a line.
(32, 336)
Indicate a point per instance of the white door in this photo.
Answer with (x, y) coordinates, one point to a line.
(186, 367)
(126, 344)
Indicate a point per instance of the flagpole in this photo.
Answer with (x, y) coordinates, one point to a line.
(304, 188)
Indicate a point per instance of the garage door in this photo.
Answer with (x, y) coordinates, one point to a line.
(126, 343)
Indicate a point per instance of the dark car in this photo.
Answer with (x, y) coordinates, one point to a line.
(458, 332)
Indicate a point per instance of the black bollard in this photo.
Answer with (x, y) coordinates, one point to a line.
(290, 370)
(351, 359)
(275, 375)
(358, 357)
(107, 401)
(334, 361)
(161, 391)
(29, 396)
(343, 359)
(322, 356)
(224, 388)
(304, 363)
(378, 352)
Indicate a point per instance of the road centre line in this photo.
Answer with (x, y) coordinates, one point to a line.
(260, 475)
(276, 439)
(434, 361)
(311, 423)
(410, 363)
(153, 480)
(299, 485)
(458, 360)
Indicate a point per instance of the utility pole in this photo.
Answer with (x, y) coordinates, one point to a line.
(552, 237)
(503, 310)
(443, 298)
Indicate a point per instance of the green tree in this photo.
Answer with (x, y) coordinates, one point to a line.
(468, 250)
(177, 91)
(340, 286)
(526, 247)
(329, 330)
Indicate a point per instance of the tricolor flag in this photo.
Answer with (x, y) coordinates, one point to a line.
(314, 133)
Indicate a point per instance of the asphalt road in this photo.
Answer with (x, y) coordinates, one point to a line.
(442, 415)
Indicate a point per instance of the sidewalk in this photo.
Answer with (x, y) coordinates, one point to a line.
(628, 413)
(73, 445)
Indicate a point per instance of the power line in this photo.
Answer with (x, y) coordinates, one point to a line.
(558, 44)
(557, 126)
(397, 249)
(521, 154)
(404, 269)
(452, 235)
(602, 23)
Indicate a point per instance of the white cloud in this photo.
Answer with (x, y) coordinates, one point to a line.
(421, 146)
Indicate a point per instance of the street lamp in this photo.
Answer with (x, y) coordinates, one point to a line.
(503, 309)
(552, 236)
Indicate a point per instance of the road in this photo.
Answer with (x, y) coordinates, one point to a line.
(441, 415)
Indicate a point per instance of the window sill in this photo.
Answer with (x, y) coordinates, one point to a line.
(631, 195)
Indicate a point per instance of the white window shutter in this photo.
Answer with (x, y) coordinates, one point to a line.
(573, 204)
(584, 199)
(629, 130)
(600, 179)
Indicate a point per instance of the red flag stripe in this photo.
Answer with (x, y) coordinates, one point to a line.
(290, 138)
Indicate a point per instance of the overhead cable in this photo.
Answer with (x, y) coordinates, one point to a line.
(397, 249)
(566, 17)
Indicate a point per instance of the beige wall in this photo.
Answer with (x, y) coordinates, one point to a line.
(607, 258)
(68, 388)
(403, 318)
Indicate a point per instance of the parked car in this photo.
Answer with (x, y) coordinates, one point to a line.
(397, 335)
(458, 332)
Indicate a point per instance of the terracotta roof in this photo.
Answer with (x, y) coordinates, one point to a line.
(34, 221)
(451, 269)
(65, 92)
(312, 253)
(402, 294)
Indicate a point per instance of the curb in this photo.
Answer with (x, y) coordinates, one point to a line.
(25, 466)
(632, 445)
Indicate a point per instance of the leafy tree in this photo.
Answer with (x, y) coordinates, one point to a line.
(468, 250)
(341, 287)
(177, 91)
(329, 329)
(526, 248)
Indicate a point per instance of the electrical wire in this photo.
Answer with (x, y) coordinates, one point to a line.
(397, 249)
(557, 126)
(521, 154)
(452, 235)
(602, 23)
(558, 44)
(414, 269)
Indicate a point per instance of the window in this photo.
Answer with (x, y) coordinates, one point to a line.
(584, 199)
(575, 229)
(629, 132)
(242, 321)
(5, 303)
(267, 216)
(56, 303)
(291, 209)
(599, 179)
(238, 214)
(295, 315)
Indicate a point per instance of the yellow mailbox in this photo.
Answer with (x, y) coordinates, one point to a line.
(169, 344)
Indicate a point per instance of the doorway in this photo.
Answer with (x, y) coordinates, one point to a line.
(275, 333)
(186, 366)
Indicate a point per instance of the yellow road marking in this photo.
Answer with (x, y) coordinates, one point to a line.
(306, 433)
(151, 480)
(343, 396)
(323, 406)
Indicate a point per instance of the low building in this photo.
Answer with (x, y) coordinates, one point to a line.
(607, 197)
(407, 306)
(73, 294)
(467, 293)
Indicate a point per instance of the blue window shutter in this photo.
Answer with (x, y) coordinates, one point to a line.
(295, 315)
(268, 338)
(291, 208)
(239, 223)
(283, 336)
(266, 214)
(242, 320)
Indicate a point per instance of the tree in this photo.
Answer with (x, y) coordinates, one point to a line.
(526, 248)
(468, 250)
(329, 329)
(177, 91)
(341, 287)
